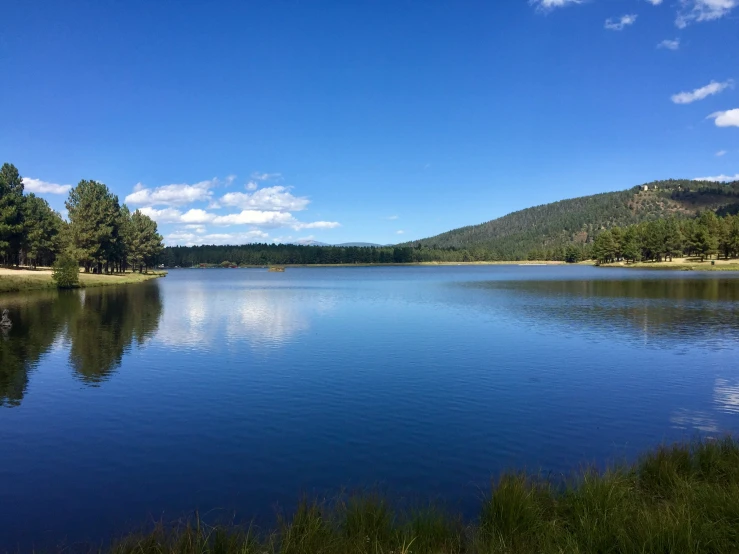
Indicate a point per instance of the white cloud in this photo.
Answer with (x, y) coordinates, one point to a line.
(172, 195)
(621, 23)
(729, 118)
(197, 216)
(399, 232)
(251, 185)
(703, 10)
(700, 93)
(721, 153)
(546, 5)
(275, 198)
(230, 179)
(265, 176)
(670, 44)
(719, 178)
(37, 186)
(257, 218)
(165, 215)
(316, 225)
(200, 229)
(391, 217)
(189, 239)
(655, 2)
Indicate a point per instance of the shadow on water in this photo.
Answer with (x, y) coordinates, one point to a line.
(664, 309)
(98, 324)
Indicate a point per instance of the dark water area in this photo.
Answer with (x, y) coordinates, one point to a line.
(232, 392)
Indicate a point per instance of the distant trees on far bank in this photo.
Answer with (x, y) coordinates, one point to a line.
(101, 235)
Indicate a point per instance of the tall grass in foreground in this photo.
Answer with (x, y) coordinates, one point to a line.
(682, 498)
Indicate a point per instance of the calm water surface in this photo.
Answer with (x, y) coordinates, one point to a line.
(234, 391)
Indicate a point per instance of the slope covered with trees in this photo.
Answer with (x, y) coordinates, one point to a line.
(546, 231)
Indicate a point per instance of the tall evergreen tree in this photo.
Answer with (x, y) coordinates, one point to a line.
(94, 216)
(11, 214)
(43, 225)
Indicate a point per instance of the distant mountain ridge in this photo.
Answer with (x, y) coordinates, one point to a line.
(578, 220)
(361, 244)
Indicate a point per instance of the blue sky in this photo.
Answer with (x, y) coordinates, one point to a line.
(379, 121)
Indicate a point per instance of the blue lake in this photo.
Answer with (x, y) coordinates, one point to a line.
(233, 392)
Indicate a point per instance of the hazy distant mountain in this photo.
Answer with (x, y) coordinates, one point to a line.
(359, 244)
(578, 220)
(310, 243)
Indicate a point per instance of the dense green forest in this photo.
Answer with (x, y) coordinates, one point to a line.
(101, 235)
(551, 228)
(661, 239)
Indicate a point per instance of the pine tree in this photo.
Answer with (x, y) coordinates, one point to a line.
(94, 218)
(41, 240)
(673, 239)
(11, 214)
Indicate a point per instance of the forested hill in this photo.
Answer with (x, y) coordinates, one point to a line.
(577, 220)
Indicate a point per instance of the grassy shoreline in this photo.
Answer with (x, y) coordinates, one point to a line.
(23, 280)
(680, 498)
(682, 265)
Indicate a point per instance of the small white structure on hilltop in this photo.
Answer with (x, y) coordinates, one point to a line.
(645, 187)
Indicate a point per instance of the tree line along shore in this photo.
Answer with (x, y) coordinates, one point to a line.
(100, 237)
(103, 237)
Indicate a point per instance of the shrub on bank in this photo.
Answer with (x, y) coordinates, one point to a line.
(66, 273)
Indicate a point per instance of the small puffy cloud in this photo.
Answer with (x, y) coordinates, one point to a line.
(172, 195)
(547, 5)
(251, 185)
(721, 153)
(165, 215)
(729, 118)
(275, 198)
(182, 237)
(197, 216)
(391, 217)
(200, 229)
(316, 225)
(668, 44)
(37, 186)
(719, 178)
(695, 11)
(265, 176)
(700, 93)
(399, 232)
(257, 218)
(655, 2)
(621, 23)
(230, 179)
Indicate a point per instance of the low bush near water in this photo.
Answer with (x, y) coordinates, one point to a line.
(66, 273)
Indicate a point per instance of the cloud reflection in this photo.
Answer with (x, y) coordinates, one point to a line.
(203, 315)
(726, 396)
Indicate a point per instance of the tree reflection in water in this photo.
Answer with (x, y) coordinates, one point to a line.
(98, 324)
